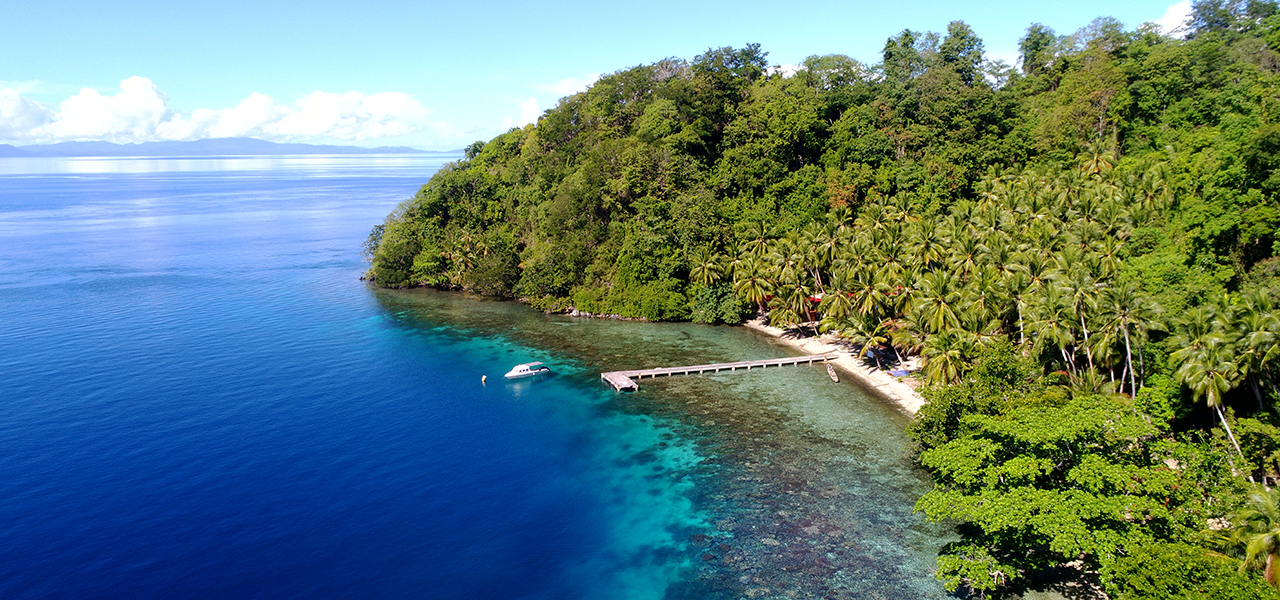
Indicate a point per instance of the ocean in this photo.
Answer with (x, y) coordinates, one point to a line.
(199, 398)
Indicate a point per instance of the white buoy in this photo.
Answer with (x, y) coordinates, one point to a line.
(483, 378)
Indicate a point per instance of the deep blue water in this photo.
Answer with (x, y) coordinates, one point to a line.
(200, 399)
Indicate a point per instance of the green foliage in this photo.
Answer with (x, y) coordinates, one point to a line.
(1260, 442)
(398, 246)
(1181, 572)
(654, 301)
(716, 303)
(1083, 255)
(617, 186)
(1161, 399)
(1001, 379)
(1039, 486)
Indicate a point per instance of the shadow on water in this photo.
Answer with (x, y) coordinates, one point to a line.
(803, 486)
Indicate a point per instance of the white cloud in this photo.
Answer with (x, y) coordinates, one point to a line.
(529, 113)
(568, 85)
(351, 116)
(140, 113)
(132, 115)
(1172, 23)
(18, 115)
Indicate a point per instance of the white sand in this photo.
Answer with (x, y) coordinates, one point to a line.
(880, 382)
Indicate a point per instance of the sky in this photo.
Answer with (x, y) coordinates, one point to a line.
(427, 74)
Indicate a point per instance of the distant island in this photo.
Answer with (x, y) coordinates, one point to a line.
(209, 147)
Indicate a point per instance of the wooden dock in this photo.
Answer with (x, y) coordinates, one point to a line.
(625, 380)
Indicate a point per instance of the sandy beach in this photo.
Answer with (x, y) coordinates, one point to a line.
(888, 387)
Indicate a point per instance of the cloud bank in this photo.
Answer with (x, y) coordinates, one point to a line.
(139, 112)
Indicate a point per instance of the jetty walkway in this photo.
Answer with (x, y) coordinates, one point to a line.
(624, 380)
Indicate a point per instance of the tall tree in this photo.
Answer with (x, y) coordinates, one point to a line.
(705, 267)
(1036, 48)
(1126, 310)
(1210, 371)
(961, 51)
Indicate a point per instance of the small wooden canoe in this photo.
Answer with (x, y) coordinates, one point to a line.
(831, 371)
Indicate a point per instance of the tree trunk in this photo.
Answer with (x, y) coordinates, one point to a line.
(1272, 570)
(1087, 352)
(1230, 435)
(1257, 391)
(1128, 354)
(1022, 333)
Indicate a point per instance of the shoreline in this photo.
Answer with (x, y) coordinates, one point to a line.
(878, 382)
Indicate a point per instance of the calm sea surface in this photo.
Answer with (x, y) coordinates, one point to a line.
(200, 399)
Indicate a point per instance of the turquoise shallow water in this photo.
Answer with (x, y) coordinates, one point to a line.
(201, 399)
(795, 486)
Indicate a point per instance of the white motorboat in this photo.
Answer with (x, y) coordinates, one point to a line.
(527, 370)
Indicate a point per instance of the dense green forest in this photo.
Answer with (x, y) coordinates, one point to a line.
(1082, 250)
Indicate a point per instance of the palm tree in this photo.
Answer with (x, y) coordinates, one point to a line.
(943, 355)
(836, 306)
(1082, 292)
(787, 255)
(869, 295)
(1036, 266)
(842, 217)
(1125, 309)
(937, 300)
(965, 253)
(1098, 158)
(1257, 528)
(1115, 219)
(1210, 371)
(752, 284)
(1089, 383)
(1051, 321)
(873, 217)
(924, 243)
(1191, 329)
(733, 264)
(997, 253)
(758, 235)
(793, 299)
(1108, 250)
(983, 300)
(1258, 329)
(1154, 192)
(866, 337)
(705, 269)
(824, 242)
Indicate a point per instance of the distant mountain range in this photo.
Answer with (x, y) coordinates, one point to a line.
(211, 147)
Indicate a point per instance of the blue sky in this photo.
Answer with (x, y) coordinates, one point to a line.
(425, 74)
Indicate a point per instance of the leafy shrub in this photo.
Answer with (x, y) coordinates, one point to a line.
(715, 304)
(1181, 572)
